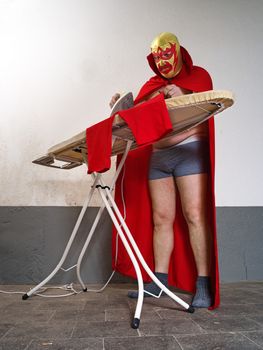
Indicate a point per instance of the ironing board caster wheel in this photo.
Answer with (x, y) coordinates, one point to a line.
(191, 310)
(135, 323)
(25, 296)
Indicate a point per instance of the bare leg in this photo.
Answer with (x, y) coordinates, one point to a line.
(163, 205)
(193, 193)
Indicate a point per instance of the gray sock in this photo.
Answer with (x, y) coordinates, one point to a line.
(152, 287)
(202, 297)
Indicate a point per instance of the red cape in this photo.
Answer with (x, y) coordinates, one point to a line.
(182, 269)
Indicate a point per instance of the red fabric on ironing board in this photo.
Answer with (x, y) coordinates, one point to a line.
(182, 270)
(99, 142)
(149, 121)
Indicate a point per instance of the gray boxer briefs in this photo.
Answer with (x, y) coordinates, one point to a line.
(180, 160)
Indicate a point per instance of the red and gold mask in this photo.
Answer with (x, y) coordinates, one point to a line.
(166, 53)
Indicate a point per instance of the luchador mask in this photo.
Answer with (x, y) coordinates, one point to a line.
(166, 53)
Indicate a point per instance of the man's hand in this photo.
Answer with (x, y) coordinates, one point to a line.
(114, 99)
(171, 91)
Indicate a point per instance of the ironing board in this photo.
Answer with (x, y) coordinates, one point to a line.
(185, 112)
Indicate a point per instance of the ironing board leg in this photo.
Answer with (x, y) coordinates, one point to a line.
(136, 321)
(69, 244)
(91, 232)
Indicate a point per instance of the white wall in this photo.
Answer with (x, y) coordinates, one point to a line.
(61, 60)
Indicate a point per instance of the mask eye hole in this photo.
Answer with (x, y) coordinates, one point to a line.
(156, 57)
(167, 55)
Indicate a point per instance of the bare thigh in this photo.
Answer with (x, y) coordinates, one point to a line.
(193, 195)
(163, 205)
(163, 195)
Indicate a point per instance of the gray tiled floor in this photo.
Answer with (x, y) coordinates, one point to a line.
(102, 321)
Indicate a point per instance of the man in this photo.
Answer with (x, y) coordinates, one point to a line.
(180, 184)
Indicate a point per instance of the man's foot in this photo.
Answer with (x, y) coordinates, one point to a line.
(202, 297)
(152, 287)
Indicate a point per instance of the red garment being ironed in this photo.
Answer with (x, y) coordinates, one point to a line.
(99, 140)
(153, 113)
(149, 121)
(182, 269)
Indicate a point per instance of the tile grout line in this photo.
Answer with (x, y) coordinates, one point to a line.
(251, 319)
(9, 330)
(156, 311)
(196, 323)
(51, 316)
(260, 347)
(27, 346)
(73, 329)
(177, 341)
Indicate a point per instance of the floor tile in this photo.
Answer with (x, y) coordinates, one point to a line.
(219, 341)
(145, 343)
(25, 316)
(21, 305)
(5, 328)
(128, 315)
(238, 310)
(69, 344)
(167, 314)
(42, 330)
(81, 315)
(255, 336)
(228, 324)
(169, 327)
(240, 296)
(14, 343)
(89, 306)
(103, 329)
(118, 315)
(62, 304)
(253, 285)
(257, 318)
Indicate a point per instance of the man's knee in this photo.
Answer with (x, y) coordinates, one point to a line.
(163, 218)
(194, 216)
